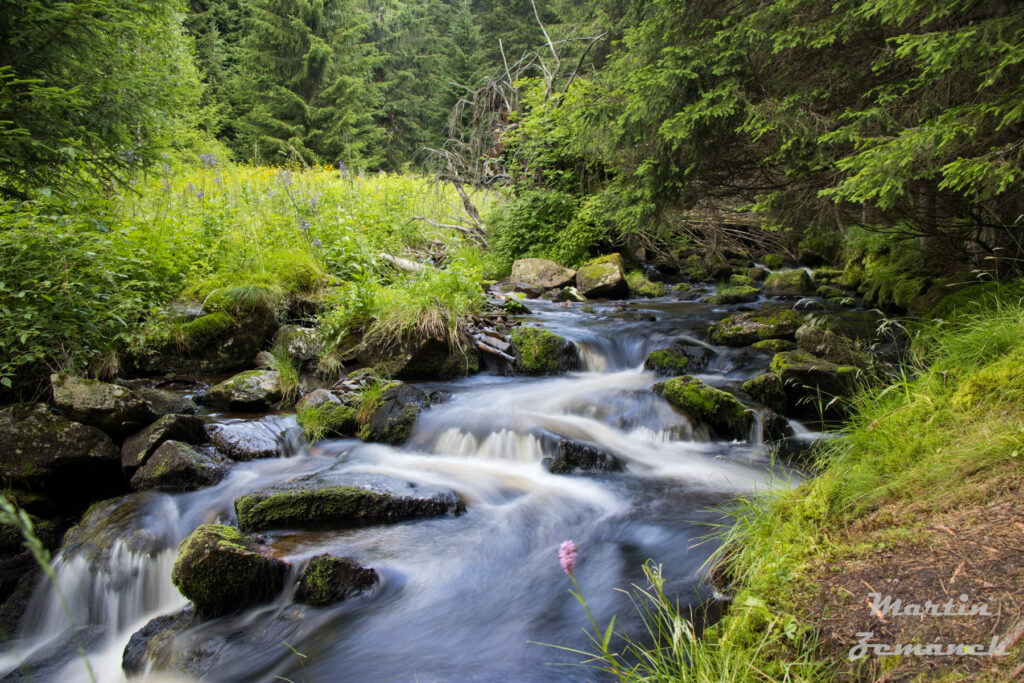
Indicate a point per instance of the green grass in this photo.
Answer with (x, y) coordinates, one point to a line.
(955, 415)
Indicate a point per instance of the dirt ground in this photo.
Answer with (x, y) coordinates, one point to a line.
(974, 550)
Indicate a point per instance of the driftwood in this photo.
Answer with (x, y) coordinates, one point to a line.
(403, 264)
(487, 348)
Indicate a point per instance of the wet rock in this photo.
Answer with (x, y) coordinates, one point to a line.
(541, 273)
(542, 352)
(572, 456)
(19, 576)
(176, 466)
(767, 390)
(809, 258)
(302, 344)
(166, 402)
(811, 383)
(514, 306)
(757, 274)
(722, 411)
(789, 283)
(604, 277)
(328, 579)
(734, 295)
(831, 346)
(439, 396)
(392, 419)
(744, 329)
(428, 359)
(136, 655)
(351, 499)
(315, 399)
(115, 409)
(682, 356)
(66, 463)
(244, 441)
(774, 427)
(249, 391)
(211, 344)
(137, 449)
(569, 294)
(774, 346)
(221, 571)
(108, 522)
(529, 290)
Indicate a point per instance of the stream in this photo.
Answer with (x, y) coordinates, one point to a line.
(477, 597)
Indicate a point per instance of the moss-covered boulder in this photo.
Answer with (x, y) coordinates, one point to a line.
(734, 295)
(541, 273)
(115, 409)
(327, 579)
(641, 286)
(789, 283)
(744, 329)
(774, 261)
(514, 306)
(303, 345)
(542, 352)
(767, 389)
(166, 402)
(67, 464)
(829, 292)
(137, 449)
(249, 391)
(721, 410)
(774, 346)
(177, 466)
(831, 346)
(757, 274)
(343, 498)
(221, 571)
(390, 418)
(573, 456)
(321, 415)
(603, 278)
(999, 381)
(429, 359)
(677, 359)
(811, 383)
(211, 344)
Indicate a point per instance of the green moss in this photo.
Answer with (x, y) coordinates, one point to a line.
(770, 322)
(666, 362)
(639, 285)
(828, 292)
(514, 306)
(540, 351)
(784, 361)
(774, 345)
(326, 420)
(976, 297)
(767, 389)
(737, 280)
(734, 295)
(1000, 381)
(204, 331)
(789, 283)
(714, 406)
(774, 261)
(826, 275)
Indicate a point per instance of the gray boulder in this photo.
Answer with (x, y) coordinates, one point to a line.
(176, 466)
(604, 277)
(249, 391)
(137, 449)
(573, 456)
(541, 273)
(115, 409)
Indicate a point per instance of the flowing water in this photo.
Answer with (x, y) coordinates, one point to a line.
(468, 598)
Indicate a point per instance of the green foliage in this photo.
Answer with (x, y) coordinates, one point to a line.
(541, 224)
(327, 419)
(90, 90)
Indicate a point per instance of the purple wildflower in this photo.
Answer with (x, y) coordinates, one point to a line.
(285, 177)
(343, 169)
(313, 201)
(200, 194)
(303, 225)
(209, 160)
(567, 556)
(317, 243)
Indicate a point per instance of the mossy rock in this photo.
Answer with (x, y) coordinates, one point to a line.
(66, 464)
(249, 391)
(176, 466)
(774, 261)
(774, 346)
(327, 579)
(977, 297)
(812, 383)
(166, 402)
(734, 295)
(541, 274)
(572, 456)
(721, 410)
(303, 345)
(827, 275)
(641, 286)
(757, 274)
(348, 499)
(676, 359)
(743, 329)
(999, 382)
(221, 571)
(244, 441)
(392, 418)
(513, 306)
(212, 344)
(829, 292)
(738, 280)
(542, 352)
(604, 277)
(328, 420)
(115, 409)
(138, 448)
(831, 346)
(768, 390)
(789, 283)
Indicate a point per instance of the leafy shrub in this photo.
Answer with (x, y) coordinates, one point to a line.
(551, 225)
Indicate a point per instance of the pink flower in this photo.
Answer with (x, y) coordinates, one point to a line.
(567, 556)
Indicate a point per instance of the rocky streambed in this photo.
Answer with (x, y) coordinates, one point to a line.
(417, 539)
